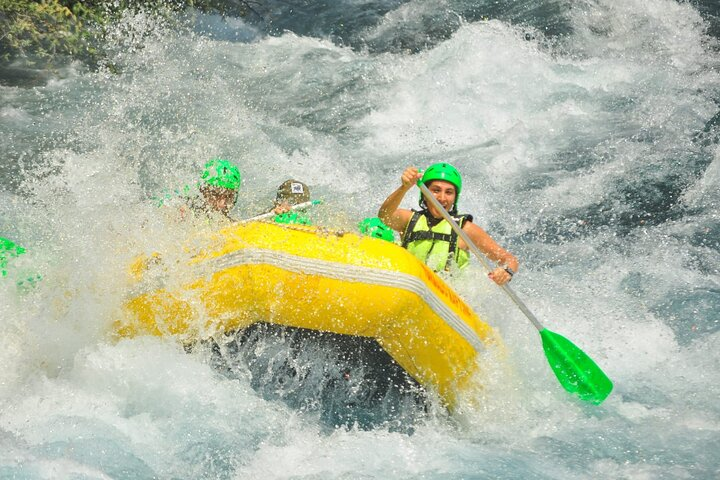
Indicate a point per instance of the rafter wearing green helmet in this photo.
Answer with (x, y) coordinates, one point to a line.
(429, 236)
(219, 185)
(221, 173)
(215, 192)
(446, 172)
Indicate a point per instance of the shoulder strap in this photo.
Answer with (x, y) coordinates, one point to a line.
(408, 233)
(428, 235)
(453, 250)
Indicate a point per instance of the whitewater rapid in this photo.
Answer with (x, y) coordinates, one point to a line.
(588, 148)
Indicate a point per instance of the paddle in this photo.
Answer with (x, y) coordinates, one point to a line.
(574, 369)
(272, 214)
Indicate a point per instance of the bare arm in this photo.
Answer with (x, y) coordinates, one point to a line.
(390, 213)
(493, 251)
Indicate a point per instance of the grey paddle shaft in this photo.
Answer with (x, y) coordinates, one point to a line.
(272, 214)
(483, 259)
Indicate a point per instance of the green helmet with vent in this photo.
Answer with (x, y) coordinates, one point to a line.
(446, 172)
(374, 227)
(221, 173)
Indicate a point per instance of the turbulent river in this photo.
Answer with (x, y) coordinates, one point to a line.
(587, 134)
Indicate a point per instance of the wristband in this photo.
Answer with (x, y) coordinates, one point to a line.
(510, 271)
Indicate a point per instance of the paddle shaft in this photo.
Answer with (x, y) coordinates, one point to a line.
(483, 259)
(272, 214)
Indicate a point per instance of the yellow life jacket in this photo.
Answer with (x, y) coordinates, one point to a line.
(436, 246)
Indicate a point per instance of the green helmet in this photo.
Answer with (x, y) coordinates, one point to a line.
(221, 173)
(374, 227)
(446, 172)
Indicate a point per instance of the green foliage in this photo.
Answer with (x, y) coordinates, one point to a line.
(43, 28)
(46, 28)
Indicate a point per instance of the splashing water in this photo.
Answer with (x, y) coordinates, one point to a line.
(587, 134)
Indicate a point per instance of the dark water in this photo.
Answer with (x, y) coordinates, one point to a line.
(347, 381)
(425, 24)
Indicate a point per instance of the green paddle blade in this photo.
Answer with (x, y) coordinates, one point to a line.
(577, 372)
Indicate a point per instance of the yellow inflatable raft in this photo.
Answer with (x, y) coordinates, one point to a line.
(311, 278)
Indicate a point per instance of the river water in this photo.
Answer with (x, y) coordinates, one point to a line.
(587, 135)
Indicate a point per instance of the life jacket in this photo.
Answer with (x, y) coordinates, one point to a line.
(436, 246)
(293, 218)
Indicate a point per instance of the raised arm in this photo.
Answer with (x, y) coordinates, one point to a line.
(390, 213)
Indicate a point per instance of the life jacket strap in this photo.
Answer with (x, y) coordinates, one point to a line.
(429, 235)
(410, 235)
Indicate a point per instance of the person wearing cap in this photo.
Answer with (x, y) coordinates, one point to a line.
(290, 194)
(427, 235)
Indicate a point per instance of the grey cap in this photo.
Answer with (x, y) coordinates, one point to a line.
(292, 192)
